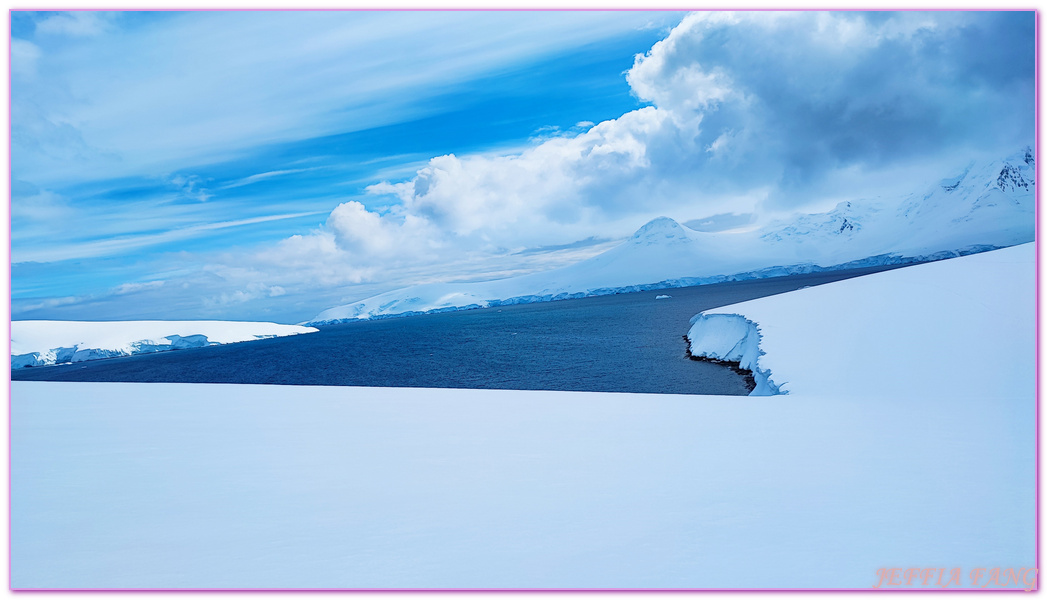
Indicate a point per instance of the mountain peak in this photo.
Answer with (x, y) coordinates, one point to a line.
(662, 228)
(1024, 156)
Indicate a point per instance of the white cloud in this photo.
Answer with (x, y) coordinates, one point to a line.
(116, 245)
(313, 260)
(253, 291)
(561, 190)
(49, 303)
(191, 187)
(24, 57)
(544, 194)
(264, 176)
(75, 23)
(44, 205)
(120, 290)
(130, 288)
(368, 235)
(761, 110)
(671, 75)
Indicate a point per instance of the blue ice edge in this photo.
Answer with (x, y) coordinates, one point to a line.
(732, 338)
(75, 354)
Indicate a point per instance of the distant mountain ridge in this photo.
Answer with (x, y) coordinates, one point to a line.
(986, 205)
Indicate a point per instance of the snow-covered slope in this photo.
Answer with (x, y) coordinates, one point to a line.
(268, 486)
(962, 327)
(37, 343)
(983, 206)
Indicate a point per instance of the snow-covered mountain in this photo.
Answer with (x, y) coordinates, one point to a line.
(38, 343)
(982, 206)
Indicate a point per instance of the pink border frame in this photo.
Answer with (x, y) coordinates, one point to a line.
(542, 590)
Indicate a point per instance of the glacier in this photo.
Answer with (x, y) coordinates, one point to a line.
(40, 343)
(983, 206)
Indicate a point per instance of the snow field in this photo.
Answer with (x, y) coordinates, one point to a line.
(958, 327)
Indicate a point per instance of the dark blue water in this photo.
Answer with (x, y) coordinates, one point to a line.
(621, 343)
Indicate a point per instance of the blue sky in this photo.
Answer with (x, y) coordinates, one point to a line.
(268, 165)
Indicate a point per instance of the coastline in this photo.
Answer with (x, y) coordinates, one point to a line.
(876, 263)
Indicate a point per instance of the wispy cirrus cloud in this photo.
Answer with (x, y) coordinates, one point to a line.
(264, 176)
(116, 245)
(157, 94)
(123, 289)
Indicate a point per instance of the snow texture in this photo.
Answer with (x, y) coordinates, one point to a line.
(38, 343)
(958, 327)
(981, 207)
(197, 485)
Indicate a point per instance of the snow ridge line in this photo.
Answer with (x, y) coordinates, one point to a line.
(731, 338)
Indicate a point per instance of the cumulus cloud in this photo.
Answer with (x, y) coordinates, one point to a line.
(311, 260)
(672, 75)
(368, 234)
(759, 111)
(548, 193)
